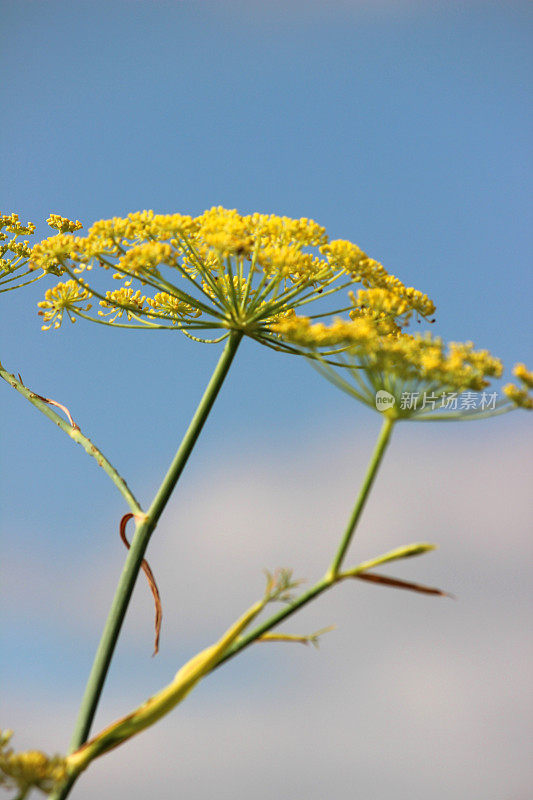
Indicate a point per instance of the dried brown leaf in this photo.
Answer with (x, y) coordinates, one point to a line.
(397, 583)
(151, 581)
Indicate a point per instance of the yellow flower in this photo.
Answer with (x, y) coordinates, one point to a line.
(170, 306)
(63, 224)
(146, 258)
(46, 255)
(223, 271)
(401, 375)
(12, 224)
(524, 375)
(520, 396)
(301, 331)
(123, 301)
(14, 255)
(32, 769)
(49, 254)
(373, 275)
(66, 297)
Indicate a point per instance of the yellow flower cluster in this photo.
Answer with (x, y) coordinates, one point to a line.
(9, 244)
(146, 258)
(381, 304)
(50, 254)
(290, 262)
(255, 274)
(111, 236)
(222, 270)
(29, 770)
(520, 396)
(20, 249)
(12, 224)
(63, 224)
(285, 230)
(425, 361)
(343, 333)
(225, 232)
(375, 359)
(123, 301)
(371, 273)
(170, 306)
(67, 297)
(47, 255)
(524, 375)
(14, 255)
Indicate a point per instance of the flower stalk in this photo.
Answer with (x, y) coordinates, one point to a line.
(135, 556)
(372, 470)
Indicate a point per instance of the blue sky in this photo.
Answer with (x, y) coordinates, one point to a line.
(402, 126)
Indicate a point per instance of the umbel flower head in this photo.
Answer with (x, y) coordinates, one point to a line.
(403, 376)
(213, 274)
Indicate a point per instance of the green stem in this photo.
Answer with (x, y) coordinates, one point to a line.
(283, 613)
(44, 405)
(333, 575)
(136, 554)
(161, 703)
(375, 461)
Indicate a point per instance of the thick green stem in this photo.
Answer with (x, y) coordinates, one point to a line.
(136, 554)
(375, 461)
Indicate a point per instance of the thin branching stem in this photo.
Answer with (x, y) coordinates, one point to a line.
(274, 620)
(373, 467)
(333, 575)
(43, 404)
